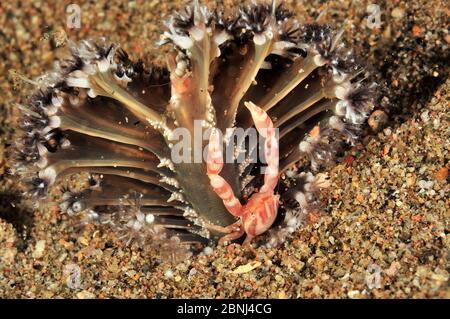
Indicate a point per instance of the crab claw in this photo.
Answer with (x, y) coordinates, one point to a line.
(260, 118)
(215, 157)
(214, 165)
(265, 127)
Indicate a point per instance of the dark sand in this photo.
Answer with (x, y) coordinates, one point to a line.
(388, 207)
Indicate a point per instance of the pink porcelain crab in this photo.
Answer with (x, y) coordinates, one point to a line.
(258, 215)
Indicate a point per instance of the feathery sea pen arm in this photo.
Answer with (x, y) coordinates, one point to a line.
(243, 75)
(299, 71)
(102, 83)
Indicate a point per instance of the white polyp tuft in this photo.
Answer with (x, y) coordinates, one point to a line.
(42, 162)
(51, 109)
(168, 180)
(64, 206)
(181, 68)
(341, 108)
(149, 218)
(290, 173)
(351, 114)
(82, 73)
(78, 82)
(339, 77)
(336, 123)
(88, 69)
(54, 121)
(189, 212)
(66, 195)
(91, 93)
(308, 187)
(207, 250)
(259, 39)
(65, 143)
(291, 221)
(92, 215)
(341, 91)
(103, 65)
(48, 174)
(301, 199)
(110, 57)
(136, 225)
(78, 206)
(166, 162)
(175, 196)
(221, 38)
(197, 33)
(181, 41)
(280, 47)
(322, 181)
(309, 177)
(140, 217)
(57, 101)
(319, 60)
(305, 147)
(42, 150)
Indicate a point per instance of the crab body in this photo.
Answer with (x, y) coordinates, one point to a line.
(259, 213)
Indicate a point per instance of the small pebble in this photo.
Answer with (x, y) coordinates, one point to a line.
(168, 274)
(398, 13)
(353, 294)
(425, 184)
(207, 250)
(39, 249)
(85, 295)
(378, 120)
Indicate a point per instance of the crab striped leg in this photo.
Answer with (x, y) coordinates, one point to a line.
(265, 127)
(271, 151)
(214, 164)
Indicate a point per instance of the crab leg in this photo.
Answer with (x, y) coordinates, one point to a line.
(214, 165)
(234, 232)
(265, 127)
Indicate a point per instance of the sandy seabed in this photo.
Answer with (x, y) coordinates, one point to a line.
(385, 231)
